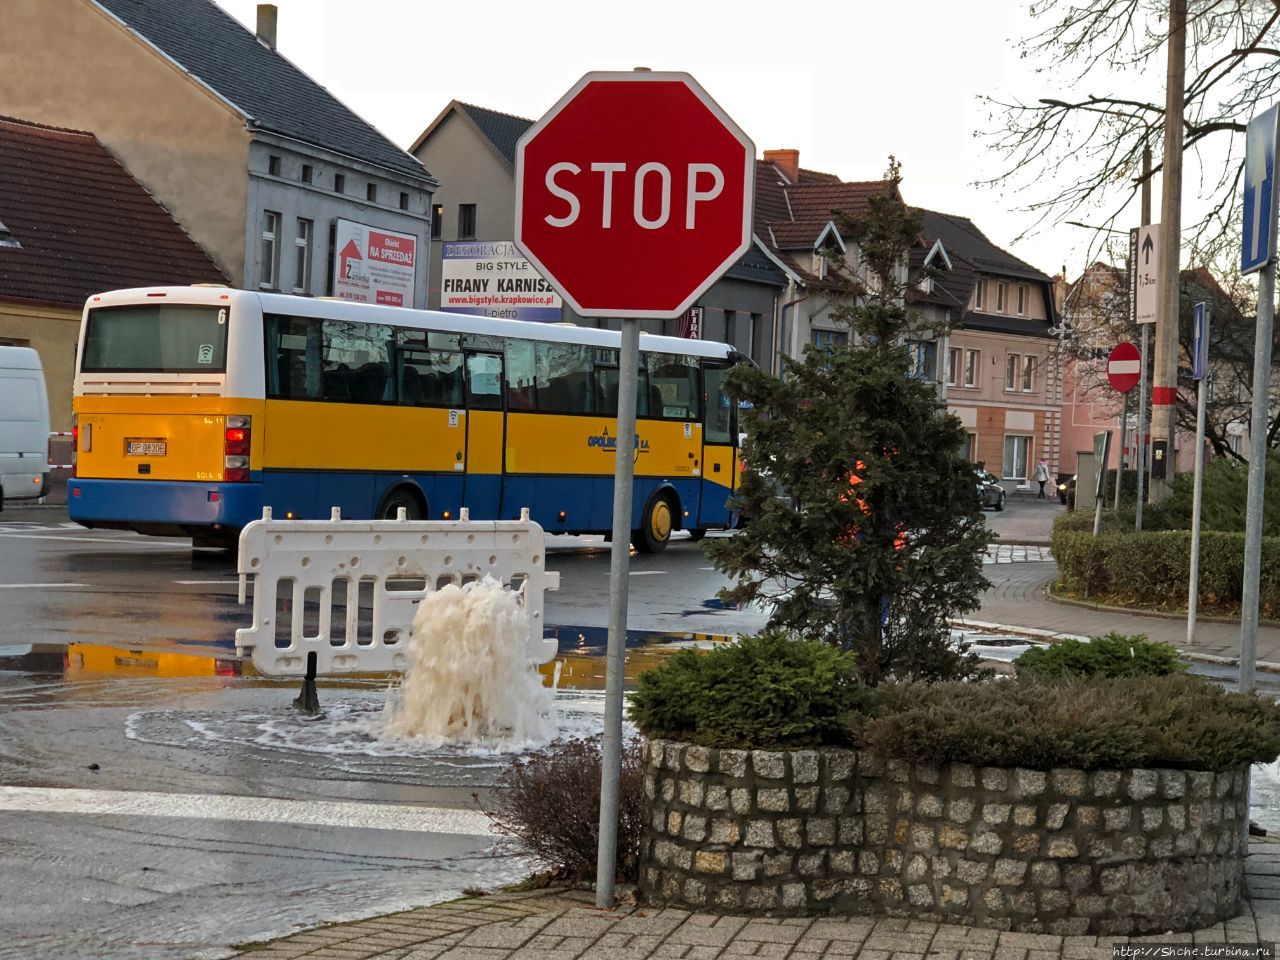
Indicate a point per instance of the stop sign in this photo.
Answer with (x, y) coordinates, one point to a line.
(633, 194)
(1124, 366)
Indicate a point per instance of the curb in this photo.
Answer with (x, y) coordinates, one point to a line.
(1140, 612)
(1052, 636)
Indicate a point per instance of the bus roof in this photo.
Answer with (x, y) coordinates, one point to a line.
(327, 307)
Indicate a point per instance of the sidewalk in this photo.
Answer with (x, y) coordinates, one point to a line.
(566, 925)
(1019, 596)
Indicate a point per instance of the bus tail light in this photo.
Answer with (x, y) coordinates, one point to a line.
(236, 440)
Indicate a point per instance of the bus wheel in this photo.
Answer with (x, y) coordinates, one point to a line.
(655, 526)
(697, 533)
(401, 497)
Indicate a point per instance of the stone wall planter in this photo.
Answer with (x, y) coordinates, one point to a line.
(839, 831)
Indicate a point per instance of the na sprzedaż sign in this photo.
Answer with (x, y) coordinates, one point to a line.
(373, 265)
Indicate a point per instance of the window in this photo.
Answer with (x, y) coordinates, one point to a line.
(404, 200)
(980, 295)
(1017, 454)
(1022, 299)
(339, 183)
(521, 373)
(719, 426)
(971, 359)
(302, 247)
(293, 358)
(673, 386)
(273, 165)
(428, 369)
(1011, 370)
(371, 192)
(971, 447)
(153, 337)
(953, 366)
(306, 173)
(829, 339)
(355, 363)
(564, 377)
(1028, 373)
(466, 221)
(269, 268)
(606, 384)
(437, 221)
(484, 381)
(1002, 297)
(924, 359)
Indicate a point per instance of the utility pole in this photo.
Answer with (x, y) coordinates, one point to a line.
(1164, 392)
(1140, 441)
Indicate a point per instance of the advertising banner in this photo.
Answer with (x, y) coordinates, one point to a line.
(372, 265)
(486, 278)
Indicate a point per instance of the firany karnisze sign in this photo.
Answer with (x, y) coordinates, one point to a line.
(372, 265)
(492, 279)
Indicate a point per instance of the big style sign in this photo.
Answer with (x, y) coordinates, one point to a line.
(633, 194)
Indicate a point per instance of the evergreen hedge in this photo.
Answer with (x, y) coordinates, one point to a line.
(1153, 568)
(1112, 655)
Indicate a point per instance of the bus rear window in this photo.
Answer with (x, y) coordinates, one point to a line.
(156, 338)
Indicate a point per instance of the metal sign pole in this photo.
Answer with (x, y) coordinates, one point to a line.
(1257, 474)
(1140, 442)
(1200, 363)
(619, 564)
(1101, 489)
(1124, 434)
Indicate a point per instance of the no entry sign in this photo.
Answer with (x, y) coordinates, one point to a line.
(633, 194)
(1124, 367)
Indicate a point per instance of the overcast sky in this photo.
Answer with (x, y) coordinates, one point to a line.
(846, 83)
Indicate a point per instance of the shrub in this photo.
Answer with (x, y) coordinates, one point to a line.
(763, 691)
(549, 804)
(1113, 655)
(1153, 568)
(1178, 721)
(1223, 505)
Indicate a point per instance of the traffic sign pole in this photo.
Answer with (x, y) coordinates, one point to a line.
(619, 570)
(1200, 351)
(1124, 433)
(1140, 442)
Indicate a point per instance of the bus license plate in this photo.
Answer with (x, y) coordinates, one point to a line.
(145, 448)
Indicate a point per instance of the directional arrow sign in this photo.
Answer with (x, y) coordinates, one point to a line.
(1258, 242)
(1146, 273)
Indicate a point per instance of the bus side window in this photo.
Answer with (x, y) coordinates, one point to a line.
(719, 423)
(428, 376)
(673, 386)
(606, 386)
(293, 358)
(521, 390)
(357, 362)
(564, 377)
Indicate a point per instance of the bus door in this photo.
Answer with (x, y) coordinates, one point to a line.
(486, 429)
(719, 448)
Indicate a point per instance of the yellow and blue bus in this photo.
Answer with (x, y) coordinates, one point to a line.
(198, 406)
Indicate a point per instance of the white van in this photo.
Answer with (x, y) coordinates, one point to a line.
(24, 426)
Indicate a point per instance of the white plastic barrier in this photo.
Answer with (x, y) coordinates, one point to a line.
(347, 590)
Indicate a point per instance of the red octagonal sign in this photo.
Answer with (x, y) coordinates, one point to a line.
(633, 194)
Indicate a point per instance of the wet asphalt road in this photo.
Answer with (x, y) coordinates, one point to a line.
(156, 803)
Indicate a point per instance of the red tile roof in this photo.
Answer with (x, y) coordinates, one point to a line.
(83, 224)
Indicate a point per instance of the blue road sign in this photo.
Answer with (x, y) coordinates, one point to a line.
(1200, 341)
(1258, 244)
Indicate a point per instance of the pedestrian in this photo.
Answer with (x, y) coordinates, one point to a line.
(1042, 475)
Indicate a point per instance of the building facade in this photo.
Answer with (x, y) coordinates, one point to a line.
(258, 162)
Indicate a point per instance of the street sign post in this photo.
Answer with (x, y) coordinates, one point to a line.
(1258, 252)
(1147, 274)
(1200, 372)
(633, 195)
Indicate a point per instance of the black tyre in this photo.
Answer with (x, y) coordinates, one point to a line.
(1000, 502)
(656, 523)
(404, 497)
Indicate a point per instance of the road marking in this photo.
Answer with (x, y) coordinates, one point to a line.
(207, 806)
(6, 535)
(198, 583)
(37, 586)
(646, 573)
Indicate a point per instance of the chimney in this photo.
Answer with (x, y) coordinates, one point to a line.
(267, 14)
(788, 161)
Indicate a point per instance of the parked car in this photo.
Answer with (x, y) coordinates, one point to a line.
(990, 490)
(24, 426)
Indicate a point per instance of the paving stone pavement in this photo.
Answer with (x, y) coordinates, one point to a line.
(566, 925)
